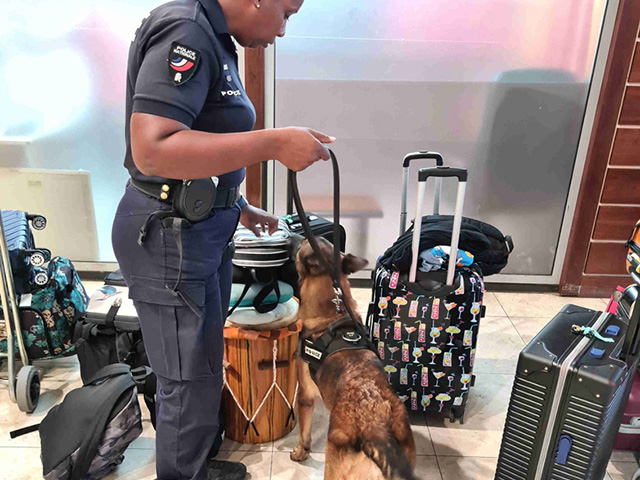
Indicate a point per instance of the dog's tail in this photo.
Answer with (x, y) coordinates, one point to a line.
(389, 457)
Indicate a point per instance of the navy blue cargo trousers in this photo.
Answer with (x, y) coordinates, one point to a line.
(182, 298)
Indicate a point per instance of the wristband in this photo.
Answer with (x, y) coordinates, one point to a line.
(242, 202)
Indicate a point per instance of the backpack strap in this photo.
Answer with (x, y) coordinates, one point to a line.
(110, 371)
(264, 293)
(247, 286)
(24, 431)
(82, 332)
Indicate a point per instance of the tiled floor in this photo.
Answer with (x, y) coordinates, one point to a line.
(446, 451)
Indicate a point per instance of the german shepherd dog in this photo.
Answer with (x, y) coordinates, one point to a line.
(369, 432)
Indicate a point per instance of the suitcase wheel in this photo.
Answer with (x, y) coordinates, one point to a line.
(39, 222)
(37, 259)
(41, 278)
(28, 389)
(456, 414)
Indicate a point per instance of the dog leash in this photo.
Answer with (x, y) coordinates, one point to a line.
(332, 270)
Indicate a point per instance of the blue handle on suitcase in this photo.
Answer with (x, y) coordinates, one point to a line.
(564, 447)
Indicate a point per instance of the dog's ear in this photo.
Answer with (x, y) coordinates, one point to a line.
(310, 266)
(352, 264)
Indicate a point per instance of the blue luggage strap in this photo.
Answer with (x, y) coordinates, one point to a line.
(353, 334)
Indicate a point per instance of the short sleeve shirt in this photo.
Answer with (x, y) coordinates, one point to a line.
(183, 65)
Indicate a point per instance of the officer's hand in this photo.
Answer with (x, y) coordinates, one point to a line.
(302, 147)
(258, 221)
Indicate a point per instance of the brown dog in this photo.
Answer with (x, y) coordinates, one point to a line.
(369, 433)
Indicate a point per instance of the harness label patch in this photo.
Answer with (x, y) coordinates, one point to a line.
(313, 353)
(183, 63)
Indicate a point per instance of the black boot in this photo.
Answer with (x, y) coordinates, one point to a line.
(221, 470)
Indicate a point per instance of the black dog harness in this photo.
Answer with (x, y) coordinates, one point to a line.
(341, 335)
(346, 333)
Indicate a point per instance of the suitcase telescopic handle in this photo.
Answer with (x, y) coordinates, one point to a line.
(421, 155)
(423, 175)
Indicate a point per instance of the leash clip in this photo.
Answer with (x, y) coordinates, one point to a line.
(338, 300)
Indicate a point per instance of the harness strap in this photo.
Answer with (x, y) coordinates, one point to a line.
(343, 334)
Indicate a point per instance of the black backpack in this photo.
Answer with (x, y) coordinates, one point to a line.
(85, 436)
(489, 246)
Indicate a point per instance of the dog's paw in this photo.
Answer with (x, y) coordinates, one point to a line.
(299, 454)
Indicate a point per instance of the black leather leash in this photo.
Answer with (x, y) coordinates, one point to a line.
(332, 270)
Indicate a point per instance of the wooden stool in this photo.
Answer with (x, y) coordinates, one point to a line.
(260, 384)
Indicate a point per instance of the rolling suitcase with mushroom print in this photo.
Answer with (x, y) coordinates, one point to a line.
(426, 324)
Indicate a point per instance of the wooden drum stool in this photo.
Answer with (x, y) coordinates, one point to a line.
(260, 384)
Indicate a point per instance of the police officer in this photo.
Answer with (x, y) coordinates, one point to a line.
(188, 117)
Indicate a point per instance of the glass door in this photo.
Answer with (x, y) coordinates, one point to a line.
(497, 86)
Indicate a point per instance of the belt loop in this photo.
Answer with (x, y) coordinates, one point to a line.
(230, 195)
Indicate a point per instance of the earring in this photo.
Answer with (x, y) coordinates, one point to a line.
(257, 3)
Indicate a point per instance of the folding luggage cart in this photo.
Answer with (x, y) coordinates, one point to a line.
(24, 388)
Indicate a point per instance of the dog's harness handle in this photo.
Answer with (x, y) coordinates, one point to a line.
(354, 335)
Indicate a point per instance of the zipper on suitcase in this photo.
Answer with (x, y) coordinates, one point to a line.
(565, 368)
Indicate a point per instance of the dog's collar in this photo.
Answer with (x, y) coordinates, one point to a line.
(342, 334)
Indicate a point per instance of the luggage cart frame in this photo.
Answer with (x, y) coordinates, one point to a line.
(24, 388)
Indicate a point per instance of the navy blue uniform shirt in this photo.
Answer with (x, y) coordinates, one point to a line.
(183, 65)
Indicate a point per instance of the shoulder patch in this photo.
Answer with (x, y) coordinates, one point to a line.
(183, 62)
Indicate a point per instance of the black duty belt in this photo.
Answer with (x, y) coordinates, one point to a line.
(225, 197)
(343, 334)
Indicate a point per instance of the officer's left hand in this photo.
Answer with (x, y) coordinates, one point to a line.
(258, 221)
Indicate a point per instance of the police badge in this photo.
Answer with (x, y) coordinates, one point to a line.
(183, 63)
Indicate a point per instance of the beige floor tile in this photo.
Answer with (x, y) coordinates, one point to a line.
(422, 436)
(498, 347)
(258, 463)
(11, 418)
(494, 309)
(20, 463)
(137, 465)
(284, 468)
(529, 327)
(146, 441)
(541, 304)
(622, 470)
(427, 468)
(319, 428)
(231, 446)
(60, 370)
(481, 434)
(466, 468)
(607, 477)
(622, 456)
